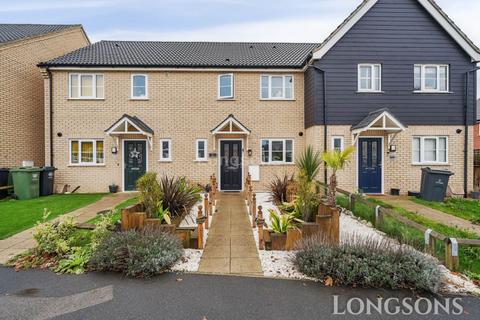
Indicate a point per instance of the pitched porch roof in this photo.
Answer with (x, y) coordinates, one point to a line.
(130, 125)
(230, 126)
(380, 120)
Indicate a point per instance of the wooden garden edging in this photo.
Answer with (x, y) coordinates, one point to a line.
(431, 237)
(135, 217)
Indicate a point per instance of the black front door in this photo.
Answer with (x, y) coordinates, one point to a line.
(135, 162)
(370, 160)
(231, 165)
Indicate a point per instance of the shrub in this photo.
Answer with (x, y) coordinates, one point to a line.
(75, 262)
(178, 195)
(54, 237)
(308, 199)
(150, 193)
(369, 263)
(278, 188)
(137, 254)
(280, 223)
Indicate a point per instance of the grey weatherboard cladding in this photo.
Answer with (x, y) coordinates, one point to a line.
(397, 34)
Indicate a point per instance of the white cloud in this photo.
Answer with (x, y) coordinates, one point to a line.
(52, 5)
(284, 30)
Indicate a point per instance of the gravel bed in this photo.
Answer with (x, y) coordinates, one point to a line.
(280, 264)
(189, 262)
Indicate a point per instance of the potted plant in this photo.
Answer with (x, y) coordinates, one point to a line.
(329, 217)
(280, 224)
(113, 188)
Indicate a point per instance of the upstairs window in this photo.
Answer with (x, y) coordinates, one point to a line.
(86, 86)
(369, 77)
(277, 151)
(139, 86)
(276, 87)
(225, 86)
(165, 150)
(430, 150)
(337, 143)
(86, 152)
(431, 78)
(201, 150)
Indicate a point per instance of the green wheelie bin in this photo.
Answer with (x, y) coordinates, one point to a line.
(26, 182)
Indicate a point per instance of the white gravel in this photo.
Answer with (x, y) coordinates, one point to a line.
(280, 264)
(189, 262)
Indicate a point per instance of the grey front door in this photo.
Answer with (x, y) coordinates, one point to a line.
(135, 162)
(231, 165)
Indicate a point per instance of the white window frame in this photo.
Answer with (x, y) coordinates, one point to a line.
(372, 79)
(422, 78)
(232, 95)
(205, 158)
(94, 159)
(283, 87)
(342, 142)
(422, 150)
(94, 86)
(132, 96)
(169, 158)
(270, 162)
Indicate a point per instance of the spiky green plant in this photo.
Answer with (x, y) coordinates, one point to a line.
(309, 163)
(335, 160)
(179, 195)
(278, 188)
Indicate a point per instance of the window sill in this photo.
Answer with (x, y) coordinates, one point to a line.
(139, 99)
(279, 99)
(277, 164)
(165, 160)
(226, 99)
(73, 165)
(370, 92)
(86, 99)
(430, 164)
(200, 160)
(433, 92)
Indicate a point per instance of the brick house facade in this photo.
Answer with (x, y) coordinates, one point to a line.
(22, 47)
(383, 93)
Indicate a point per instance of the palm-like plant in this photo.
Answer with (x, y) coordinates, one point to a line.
(309, 163)
(178, 195)
(335, 160)
(280, 223)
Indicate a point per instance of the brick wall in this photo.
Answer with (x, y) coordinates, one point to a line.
(399, 172)
(22, 94)
(182, 106)
(476, 137)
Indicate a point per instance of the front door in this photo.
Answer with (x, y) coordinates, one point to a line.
(135, 162)
(231, 165)
(370, 161)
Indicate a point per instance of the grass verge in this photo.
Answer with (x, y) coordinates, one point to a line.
(459, 207)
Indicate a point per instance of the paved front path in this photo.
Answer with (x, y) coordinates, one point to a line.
(23, 241)
(230, 247)
(432, 214)
(37, 295)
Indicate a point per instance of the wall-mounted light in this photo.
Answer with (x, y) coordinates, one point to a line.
(393, 148)
(459, 131)
(249, 152)
(59, 134)
(114, 150)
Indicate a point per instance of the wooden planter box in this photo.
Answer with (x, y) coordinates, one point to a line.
(293, 237)
(328, 220)
(134, 217)
(279, 241)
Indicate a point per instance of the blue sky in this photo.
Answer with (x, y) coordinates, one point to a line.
(209, 20)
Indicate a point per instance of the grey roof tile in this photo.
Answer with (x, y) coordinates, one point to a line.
(188, 54)
(13, 32)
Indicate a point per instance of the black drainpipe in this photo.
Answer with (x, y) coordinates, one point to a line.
(466, 146)
(50, 102)
(325, 131)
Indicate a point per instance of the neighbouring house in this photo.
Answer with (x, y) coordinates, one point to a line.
(22, 47)
(390, 81)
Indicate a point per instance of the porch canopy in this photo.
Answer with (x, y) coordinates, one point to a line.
(231, 126)
(380, 120)
(130, 125)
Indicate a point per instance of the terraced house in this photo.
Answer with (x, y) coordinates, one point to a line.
(22, 47)
(395, 80)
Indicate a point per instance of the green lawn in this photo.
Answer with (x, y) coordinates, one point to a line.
(459, 207)
(19, 215)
